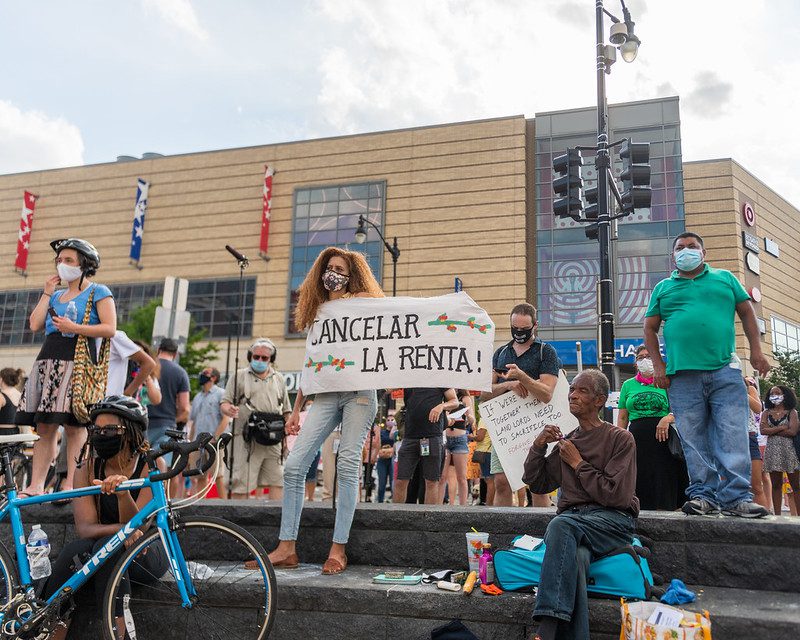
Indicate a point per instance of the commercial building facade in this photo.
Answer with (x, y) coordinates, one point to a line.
(469, 200)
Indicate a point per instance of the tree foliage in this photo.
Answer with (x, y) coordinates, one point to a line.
(785, 373)
(140, 327)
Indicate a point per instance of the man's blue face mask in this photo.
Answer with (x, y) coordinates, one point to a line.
(688, 259)
(259, 366)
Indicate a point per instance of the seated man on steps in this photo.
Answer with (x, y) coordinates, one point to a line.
(595, 467)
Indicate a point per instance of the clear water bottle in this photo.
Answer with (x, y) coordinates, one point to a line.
(38, 549)
(72, 314)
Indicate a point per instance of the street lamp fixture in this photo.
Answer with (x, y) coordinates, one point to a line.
(622, 36)
(361, 232)
(393, 249)
(630, 48)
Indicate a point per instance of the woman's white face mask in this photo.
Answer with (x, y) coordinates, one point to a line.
(68, 273)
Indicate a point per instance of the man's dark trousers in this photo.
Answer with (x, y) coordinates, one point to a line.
(574, 538)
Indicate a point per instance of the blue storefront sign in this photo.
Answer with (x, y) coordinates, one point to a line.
(625, 349)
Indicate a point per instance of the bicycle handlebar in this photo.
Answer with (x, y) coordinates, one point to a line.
(183, 449)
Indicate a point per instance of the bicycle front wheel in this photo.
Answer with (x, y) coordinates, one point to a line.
(233, 580)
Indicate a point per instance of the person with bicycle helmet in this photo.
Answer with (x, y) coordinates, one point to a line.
(115, 452)
(46, 401)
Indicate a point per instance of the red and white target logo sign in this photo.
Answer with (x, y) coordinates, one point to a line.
(749, 214)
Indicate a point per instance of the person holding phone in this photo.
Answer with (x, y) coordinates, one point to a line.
(526, 366)
(46, 401)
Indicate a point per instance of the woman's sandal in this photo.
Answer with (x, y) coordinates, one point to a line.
(333, 566)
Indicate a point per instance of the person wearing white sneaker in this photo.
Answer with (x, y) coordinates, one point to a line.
(703, 377)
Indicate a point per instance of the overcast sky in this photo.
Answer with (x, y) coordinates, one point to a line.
(86, 80)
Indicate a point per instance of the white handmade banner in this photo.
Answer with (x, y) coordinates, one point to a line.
(387, 343)
(514, 423)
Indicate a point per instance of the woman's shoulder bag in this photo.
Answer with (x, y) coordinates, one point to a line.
(89, 378)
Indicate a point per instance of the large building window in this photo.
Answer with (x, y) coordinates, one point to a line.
(328, 216)
(15, 308)
(214, 305)
(568, 263)
(785, 336)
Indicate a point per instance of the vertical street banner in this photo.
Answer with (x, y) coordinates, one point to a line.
(514, 423)
(266, 210)
(394, 343)
(139, 211)
(24, 238)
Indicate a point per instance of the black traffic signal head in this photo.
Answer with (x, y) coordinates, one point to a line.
(592, 231)
(635, 176)
(568, 184)
(593, 210)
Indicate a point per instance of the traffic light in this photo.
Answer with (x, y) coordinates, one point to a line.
(568, 184)
(635, 176)
(593, 210)
(592, 231)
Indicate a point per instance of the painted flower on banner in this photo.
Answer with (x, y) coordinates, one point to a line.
(337, 364)
(452, 325)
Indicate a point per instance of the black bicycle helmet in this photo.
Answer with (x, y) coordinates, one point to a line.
(122, 406)
(84, 248)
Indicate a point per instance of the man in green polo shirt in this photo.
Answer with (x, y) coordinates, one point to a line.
(703, 376)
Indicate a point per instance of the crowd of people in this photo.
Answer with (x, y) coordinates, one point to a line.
(692, 433)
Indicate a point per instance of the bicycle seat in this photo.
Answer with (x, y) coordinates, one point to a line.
(18, 438)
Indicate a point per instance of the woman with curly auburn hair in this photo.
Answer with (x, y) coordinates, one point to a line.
(337, 274)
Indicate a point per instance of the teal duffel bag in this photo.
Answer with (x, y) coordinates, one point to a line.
(622, 573)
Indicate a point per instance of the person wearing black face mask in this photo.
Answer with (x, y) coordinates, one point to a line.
(206, 415)
(114, 453)
(526, 366)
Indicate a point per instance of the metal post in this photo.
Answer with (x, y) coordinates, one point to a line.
(603, 164)
(395, 255)
(242, 266)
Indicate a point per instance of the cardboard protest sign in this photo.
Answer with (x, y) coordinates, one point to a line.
(514, 423)
(399, 342)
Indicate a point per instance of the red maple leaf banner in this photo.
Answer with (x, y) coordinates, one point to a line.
(24, 237)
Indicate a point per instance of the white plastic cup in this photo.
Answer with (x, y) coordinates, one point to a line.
(475, 542)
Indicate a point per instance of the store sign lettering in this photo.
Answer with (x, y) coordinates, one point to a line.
(750, 242)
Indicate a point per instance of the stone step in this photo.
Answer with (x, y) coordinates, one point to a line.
(717, 551)
(714, 551)
(350, 606)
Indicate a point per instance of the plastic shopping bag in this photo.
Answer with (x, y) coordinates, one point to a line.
(656, 621)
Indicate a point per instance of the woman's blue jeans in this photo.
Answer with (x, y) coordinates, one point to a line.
(355, 410)
(574, 538)
(385, 467)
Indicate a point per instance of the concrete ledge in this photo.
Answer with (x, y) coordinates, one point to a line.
(715, 551)
(351, 606)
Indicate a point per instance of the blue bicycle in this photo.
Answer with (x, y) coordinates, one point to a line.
(215, 581)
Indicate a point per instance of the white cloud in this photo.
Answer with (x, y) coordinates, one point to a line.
(389, 65)
(179, 14)
(30, 140)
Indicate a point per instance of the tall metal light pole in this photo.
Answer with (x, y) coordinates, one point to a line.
(393, 249)
(603, 163)
(567, 181)
(622, 35)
